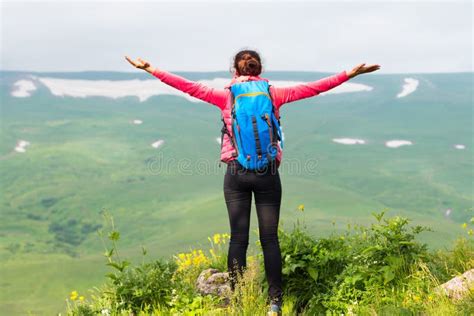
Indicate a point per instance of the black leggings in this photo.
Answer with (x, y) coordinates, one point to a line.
(239, 184)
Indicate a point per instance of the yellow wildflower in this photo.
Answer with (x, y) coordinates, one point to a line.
(195, 257)
(301, 207)
(464, 225)
(81, 298)
(470, 232)
(217, 238)
(416, 298)
(74, 295)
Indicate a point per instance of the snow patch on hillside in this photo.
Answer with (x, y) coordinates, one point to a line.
(144, 89)
(348, 141)
(23, 88)
(158, 143)
(397, 143)
(21, 146)
(409, 87)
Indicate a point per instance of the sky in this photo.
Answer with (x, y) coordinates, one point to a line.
(330, 36)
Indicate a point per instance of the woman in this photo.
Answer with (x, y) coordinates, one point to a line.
(238, 186)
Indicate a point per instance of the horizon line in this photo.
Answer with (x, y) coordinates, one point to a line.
(220, 71)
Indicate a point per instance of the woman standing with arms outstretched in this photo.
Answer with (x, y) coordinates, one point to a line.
(239, 182)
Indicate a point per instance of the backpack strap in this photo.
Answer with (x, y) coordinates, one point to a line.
(225, 130)
(257, 138)
(232, 98)
(278, 118)
(273, 104)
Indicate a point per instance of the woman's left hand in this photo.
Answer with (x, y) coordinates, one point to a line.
(141, 64)
(362, 69)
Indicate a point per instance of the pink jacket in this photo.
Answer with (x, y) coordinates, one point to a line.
(222, 99)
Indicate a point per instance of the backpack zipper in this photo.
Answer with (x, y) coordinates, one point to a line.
(249, 94)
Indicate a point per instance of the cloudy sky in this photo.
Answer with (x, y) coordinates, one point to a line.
(401, 36)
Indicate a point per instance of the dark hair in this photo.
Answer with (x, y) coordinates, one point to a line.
(247, 62)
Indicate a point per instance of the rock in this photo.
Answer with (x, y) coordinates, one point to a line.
(458, 287)
(212, 281)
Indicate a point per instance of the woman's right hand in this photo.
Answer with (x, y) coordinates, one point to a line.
(141, 64)
(362, 69)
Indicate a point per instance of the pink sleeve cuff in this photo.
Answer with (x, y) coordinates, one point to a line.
(342, 76)
(156, 72)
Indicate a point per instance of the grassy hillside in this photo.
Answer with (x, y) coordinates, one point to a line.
(85, 156)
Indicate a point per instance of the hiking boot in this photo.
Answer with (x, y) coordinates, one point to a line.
(275, 310)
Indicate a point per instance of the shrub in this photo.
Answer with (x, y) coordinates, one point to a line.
(148, 284)
(310, 266)
(379, 269)
(334, 272)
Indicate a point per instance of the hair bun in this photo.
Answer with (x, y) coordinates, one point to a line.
(252, 64)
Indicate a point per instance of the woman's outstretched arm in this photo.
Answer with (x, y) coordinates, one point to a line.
(196, 89)
(290, 94)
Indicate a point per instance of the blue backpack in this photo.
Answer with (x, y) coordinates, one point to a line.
(256, 129)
